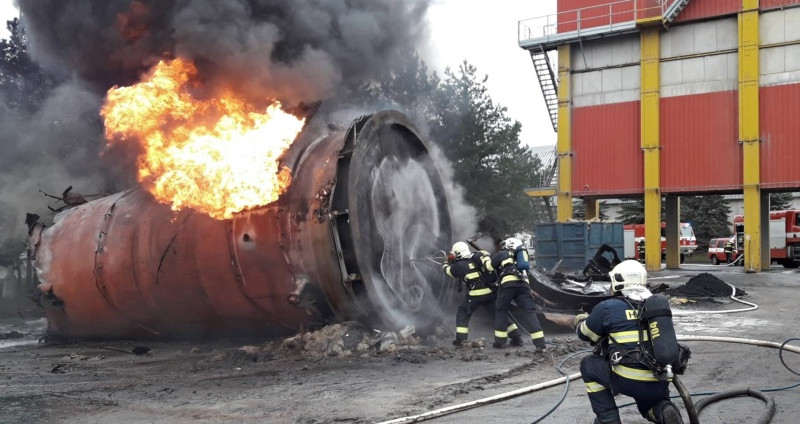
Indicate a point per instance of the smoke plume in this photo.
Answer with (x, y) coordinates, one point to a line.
(294, 51)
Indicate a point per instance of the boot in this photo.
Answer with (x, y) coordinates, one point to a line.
(498, 345)
(608, 420)
(665, 412)
(516, 342)
(541, 346)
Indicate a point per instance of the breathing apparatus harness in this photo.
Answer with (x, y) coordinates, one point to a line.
(660, 353)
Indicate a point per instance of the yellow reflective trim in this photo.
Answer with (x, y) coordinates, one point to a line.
(462, 330)
(537, 335)
(592, 387)
(584, 329)
(633, 373)
(512, 327)
(447, 271)
(628, 336)
(498, 333)
(472, 276)
(510, 277)
(480, 292)
(471, 265)
(507, 261)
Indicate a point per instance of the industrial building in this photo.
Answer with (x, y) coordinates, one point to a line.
(663, 98)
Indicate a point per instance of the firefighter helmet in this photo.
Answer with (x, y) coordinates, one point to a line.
(630, 278)
(461, 250)
(511, 243)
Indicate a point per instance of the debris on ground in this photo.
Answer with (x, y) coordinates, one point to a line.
(11, 335)
(704, 285)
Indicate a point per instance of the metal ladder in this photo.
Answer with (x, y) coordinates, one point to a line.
(548, 82)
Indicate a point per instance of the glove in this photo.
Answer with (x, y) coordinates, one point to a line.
(451, 257)
(579, 319)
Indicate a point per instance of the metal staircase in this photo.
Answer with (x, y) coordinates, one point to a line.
(548, 82)
(543, 207)
(671, 11)
(543, 210)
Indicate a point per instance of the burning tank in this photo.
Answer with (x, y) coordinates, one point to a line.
(335, 246)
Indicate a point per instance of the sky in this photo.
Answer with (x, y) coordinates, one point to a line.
(485, 34)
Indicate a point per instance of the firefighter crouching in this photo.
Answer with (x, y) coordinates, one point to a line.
(624, 349)
(475, 270)
(511, 263)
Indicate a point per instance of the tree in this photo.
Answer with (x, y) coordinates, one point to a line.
(632, 212)
(708, 216)
(23, 83)
(780, 201)
(478, 138)
(482, 143)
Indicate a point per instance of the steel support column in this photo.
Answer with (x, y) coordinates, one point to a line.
(592, 207)
(564, 141)
(749, 135)
(672, 230)
(651, 145)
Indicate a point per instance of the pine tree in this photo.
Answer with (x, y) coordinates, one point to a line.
(708, 216)
(780, 201)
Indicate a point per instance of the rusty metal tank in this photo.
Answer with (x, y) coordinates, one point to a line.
(336, 246)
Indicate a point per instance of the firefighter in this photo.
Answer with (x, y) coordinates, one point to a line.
(474, 270)
(728, 251)
(511, 263)
(641, 250)
(613, 327)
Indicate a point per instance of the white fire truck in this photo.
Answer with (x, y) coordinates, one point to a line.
(784, 237)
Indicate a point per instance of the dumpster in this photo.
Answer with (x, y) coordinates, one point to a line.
(570, 245)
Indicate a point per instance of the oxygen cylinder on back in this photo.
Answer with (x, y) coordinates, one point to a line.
(657, 316)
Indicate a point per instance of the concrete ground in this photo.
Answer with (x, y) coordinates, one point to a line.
(216, 382)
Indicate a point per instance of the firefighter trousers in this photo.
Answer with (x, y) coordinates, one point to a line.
(473, 303)
(519, 293)
(602, 384)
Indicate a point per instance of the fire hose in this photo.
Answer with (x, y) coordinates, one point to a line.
(693, 410)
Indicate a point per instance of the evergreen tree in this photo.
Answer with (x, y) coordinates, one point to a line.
(482, 143)
(780, 201)
(708, 216)
(23, 83)
(632, 212)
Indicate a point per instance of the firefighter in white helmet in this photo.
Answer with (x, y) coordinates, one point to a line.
(511, 263)
(615, 328)
(474, 270)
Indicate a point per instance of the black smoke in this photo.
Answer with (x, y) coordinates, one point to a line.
(295, 51)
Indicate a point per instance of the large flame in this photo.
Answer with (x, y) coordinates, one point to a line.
(217, 155)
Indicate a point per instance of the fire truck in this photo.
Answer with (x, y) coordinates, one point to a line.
(784, 237)
(633, 234)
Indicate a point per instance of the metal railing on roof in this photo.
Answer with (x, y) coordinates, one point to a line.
(589, 21)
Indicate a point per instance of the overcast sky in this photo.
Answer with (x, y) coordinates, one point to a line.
(485, 34)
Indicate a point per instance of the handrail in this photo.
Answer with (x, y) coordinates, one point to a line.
(591, 17)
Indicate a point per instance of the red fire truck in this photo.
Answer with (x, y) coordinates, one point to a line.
(634, 234)
(784, 237)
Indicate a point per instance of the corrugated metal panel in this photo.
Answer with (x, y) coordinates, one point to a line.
(780, 136)
(700, 147)
(583, 14)
(608, 154)
(700, 9)
(776, 4)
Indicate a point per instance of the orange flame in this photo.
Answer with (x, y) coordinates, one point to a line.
(219, 155)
